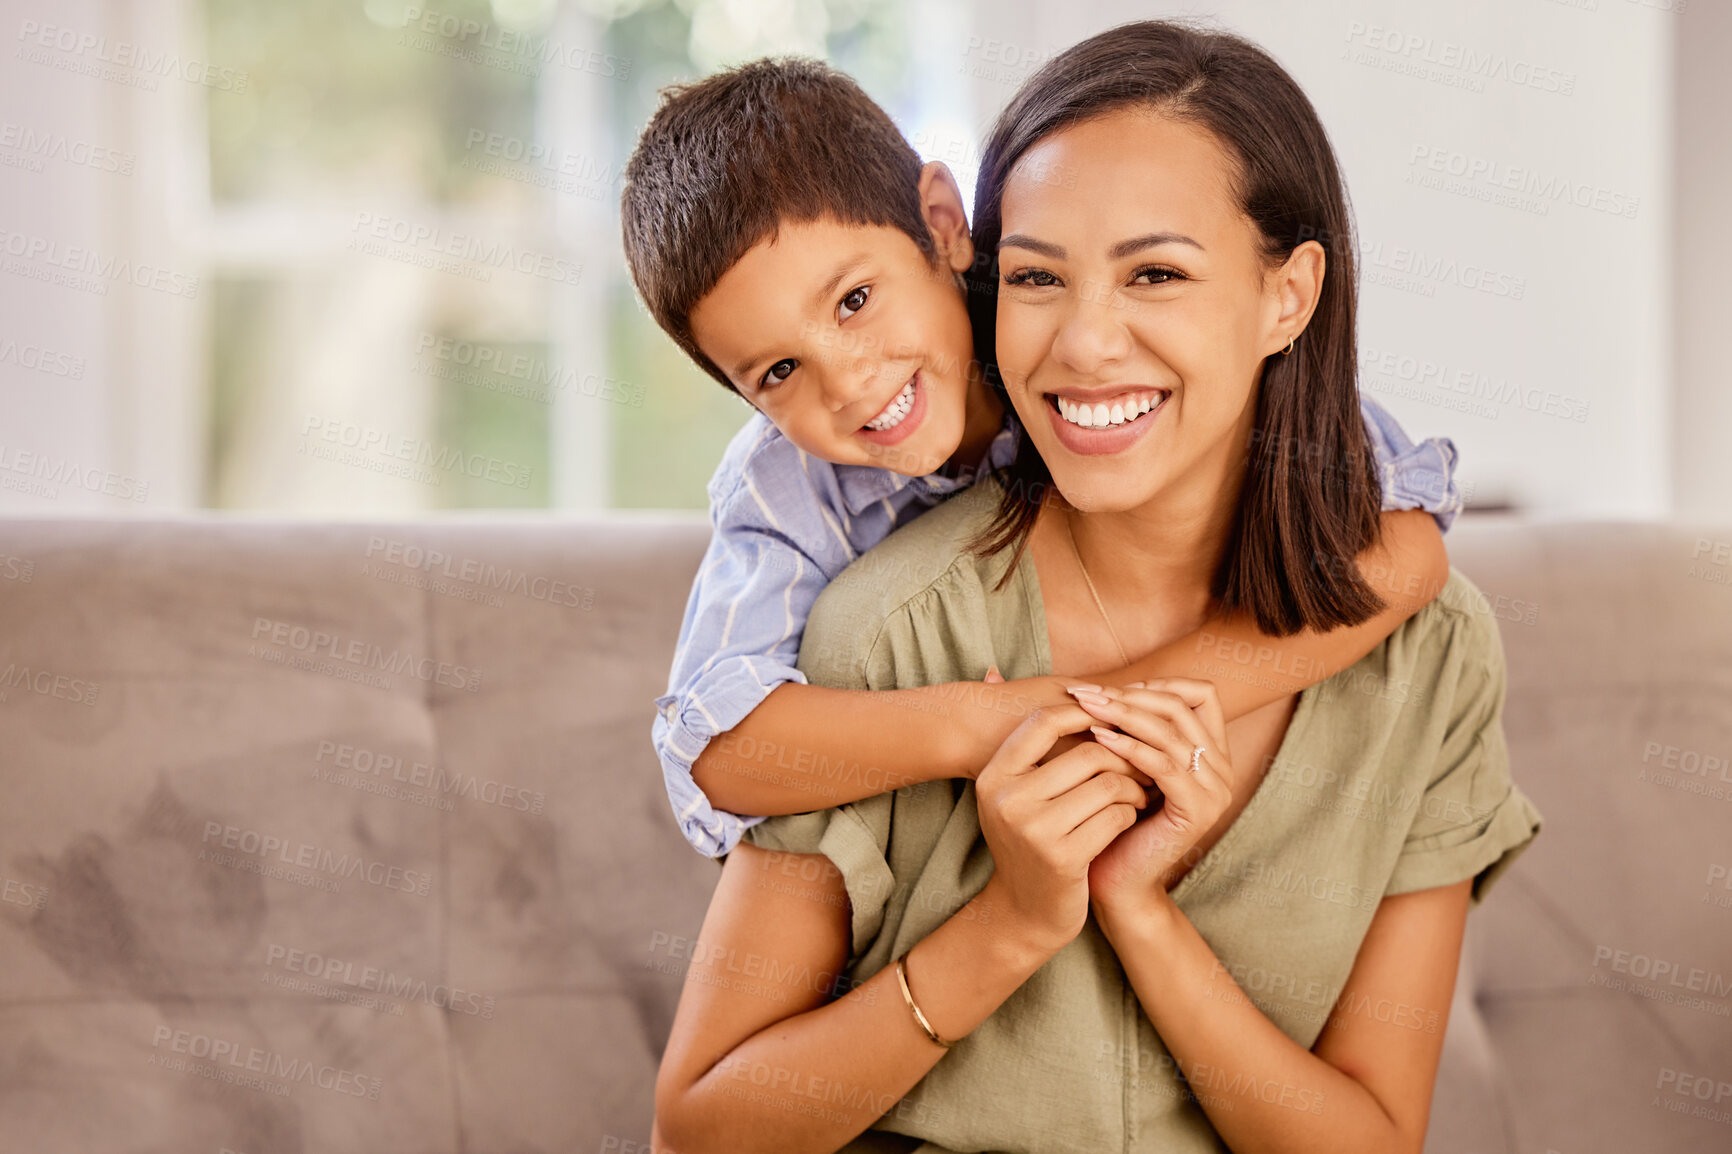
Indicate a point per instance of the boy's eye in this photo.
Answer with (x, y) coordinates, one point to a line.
(1157, 274)
(853, 302)
(778, 372)
(1038, 277)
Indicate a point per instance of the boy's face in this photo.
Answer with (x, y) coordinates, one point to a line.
(849, 340)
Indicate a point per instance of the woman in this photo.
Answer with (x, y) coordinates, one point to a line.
(1275, 932)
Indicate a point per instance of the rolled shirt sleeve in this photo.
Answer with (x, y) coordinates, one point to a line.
(739, 640)
(1414, 476)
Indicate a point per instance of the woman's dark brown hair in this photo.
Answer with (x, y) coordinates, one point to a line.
(1311, 499)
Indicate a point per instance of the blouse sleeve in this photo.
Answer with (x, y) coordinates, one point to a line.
(1471, 821)
(855, 838)
(840, 638)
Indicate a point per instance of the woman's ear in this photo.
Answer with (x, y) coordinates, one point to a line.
(946, 218)
(1298, 287)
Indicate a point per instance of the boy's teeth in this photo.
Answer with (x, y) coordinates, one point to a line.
(1098, 416)
(894, 411)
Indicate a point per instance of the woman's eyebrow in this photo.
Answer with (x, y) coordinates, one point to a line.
(1149, 240)
(1118, 251)
(1044, 248)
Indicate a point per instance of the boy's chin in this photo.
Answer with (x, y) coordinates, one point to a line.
(923, 453)
(910, 460)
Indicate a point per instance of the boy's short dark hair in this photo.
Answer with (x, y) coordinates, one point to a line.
(724, 161)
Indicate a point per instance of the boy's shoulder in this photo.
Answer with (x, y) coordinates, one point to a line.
(757, 446)
(765, 480)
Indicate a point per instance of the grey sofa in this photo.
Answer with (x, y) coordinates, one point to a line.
(348, 837)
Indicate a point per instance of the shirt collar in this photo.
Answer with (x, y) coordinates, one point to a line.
(864, 485)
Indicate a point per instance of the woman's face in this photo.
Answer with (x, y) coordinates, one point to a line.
(1135, 309)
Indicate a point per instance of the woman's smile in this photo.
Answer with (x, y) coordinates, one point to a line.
(1091, 421)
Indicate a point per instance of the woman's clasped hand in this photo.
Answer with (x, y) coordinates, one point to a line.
(1110, 819)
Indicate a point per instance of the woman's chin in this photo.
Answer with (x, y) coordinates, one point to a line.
(1094, 493)
(1102, 483)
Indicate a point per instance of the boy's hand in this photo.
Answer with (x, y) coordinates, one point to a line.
(1048, 693)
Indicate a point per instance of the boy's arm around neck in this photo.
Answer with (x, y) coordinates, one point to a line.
(1250, 669)
(808, 747)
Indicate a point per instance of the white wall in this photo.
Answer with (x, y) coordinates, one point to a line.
(1591, 326)
(128, 424)
(1612, 307)
(1703, 243)
(103, 162)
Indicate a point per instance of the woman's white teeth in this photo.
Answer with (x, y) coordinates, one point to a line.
(1099, 416)
(894, 411)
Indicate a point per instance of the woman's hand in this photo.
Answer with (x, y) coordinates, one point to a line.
(1156, 727)
(1046, 821)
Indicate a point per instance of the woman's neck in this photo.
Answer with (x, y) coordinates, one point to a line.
(1152, 567)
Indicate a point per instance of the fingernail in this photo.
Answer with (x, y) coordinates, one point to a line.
(1089, 697)
(1134, 685)
(1082, 685)
(1109, 736)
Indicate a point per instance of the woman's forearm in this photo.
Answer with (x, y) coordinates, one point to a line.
(1263, 1092)
(810, 1083)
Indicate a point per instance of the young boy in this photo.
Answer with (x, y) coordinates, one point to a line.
(784, 234)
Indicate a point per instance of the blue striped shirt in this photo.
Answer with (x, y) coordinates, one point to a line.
(786, 523)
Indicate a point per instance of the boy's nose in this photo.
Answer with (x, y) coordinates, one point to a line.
(846, 384)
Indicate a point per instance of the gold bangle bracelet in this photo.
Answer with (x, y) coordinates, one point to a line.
(908, 996)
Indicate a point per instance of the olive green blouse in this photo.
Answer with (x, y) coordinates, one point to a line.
(1393, 776)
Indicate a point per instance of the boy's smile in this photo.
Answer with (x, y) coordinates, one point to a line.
(854, 344)
(901, 417)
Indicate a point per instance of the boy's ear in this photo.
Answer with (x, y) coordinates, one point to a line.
(946, 218)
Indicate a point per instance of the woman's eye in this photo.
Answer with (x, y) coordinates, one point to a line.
(1038, 277)
(1156, 275)
(853, 302)
(778, 372)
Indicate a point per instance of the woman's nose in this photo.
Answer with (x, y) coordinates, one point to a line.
(1091, 336)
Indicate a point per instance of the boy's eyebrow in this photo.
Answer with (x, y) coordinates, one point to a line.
(842, 270)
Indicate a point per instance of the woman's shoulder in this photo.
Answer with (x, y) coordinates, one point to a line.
(1440, 669)
(926, 569)
(1463, 620)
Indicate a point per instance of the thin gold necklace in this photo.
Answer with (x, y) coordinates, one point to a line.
(1071, 533)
